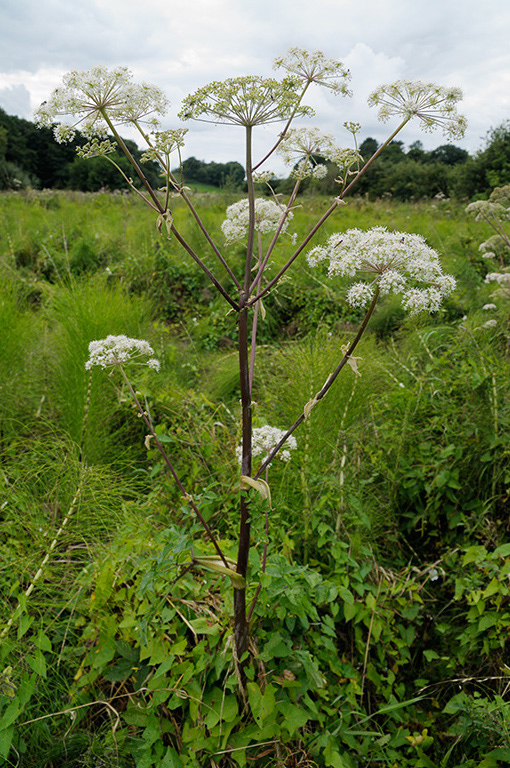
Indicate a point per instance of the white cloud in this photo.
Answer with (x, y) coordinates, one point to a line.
(180, 46)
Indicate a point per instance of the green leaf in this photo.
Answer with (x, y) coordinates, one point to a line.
(351, 610)
(295, 717)
(171, 759)
(346, 595)
(204, 626)
(24, 624)
(261, 704)
(333, 758)
(474, 554)
(495, 757)
(103, 653)
(38, 663)
(6, 735)
(10, 714)
(43, 641)
(503, 551)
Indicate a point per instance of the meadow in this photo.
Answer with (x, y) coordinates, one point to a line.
(380, 635)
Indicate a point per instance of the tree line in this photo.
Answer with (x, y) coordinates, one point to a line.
(30, 157)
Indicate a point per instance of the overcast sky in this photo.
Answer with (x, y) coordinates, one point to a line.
(180, 46)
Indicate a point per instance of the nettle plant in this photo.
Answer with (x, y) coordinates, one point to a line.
(101, 101)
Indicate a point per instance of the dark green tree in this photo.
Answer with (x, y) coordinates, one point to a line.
(448, 154)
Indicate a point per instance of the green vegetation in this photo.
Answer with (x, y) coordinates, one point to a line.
(380, 636)
(30, 157)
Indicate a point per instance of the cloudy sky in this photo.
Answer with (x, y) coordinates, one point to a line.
(180, 46)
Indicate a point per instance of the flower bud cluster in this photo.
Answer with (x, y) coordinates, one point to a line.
(120, 350)
(96, 148)
(301, 147)
(398, 261)
(164, 143)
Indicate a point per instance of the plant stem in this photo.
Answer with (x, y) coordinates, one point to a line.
(240, 620)
(133, 162)
(326, 386)
(241, 626)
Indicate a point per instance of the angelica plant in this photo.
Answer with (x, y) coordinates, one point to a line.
(100, 102)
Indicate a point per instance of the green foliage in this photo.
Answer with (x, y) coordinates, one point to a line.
(381, 625)
(228, 176)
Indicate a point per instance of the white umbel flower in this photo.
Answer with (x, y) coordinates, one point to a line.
(264, 439)
(86, 97)
(398, 262)
(315, 67)
(120, 350)
(434, 105)
(267, 218)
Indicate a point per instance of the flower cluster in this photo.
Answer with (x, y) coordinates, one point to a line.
(268, 216)
(314, 67)
(264, 439)
(92, 98)
(163, 143)
(501, 278)
(434, 105)
(301, 146)
(120, 350)
(398, 261)
(96, 148)
(246, 101)
(484, 210)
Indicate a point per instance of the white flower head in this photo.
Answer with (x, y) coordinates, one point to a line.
(264, 439)
(484, 210)
(303, 143)
(315, 67)
(501, 278)
(489, 307)
(397, 262)
(320, 171)
(120, 350)
(490, 324)
(86, 98)
(268, 216)
(434, 105)
(302, 146)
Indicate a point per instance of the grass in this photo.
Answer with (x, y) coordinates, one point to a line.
(398, 471)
